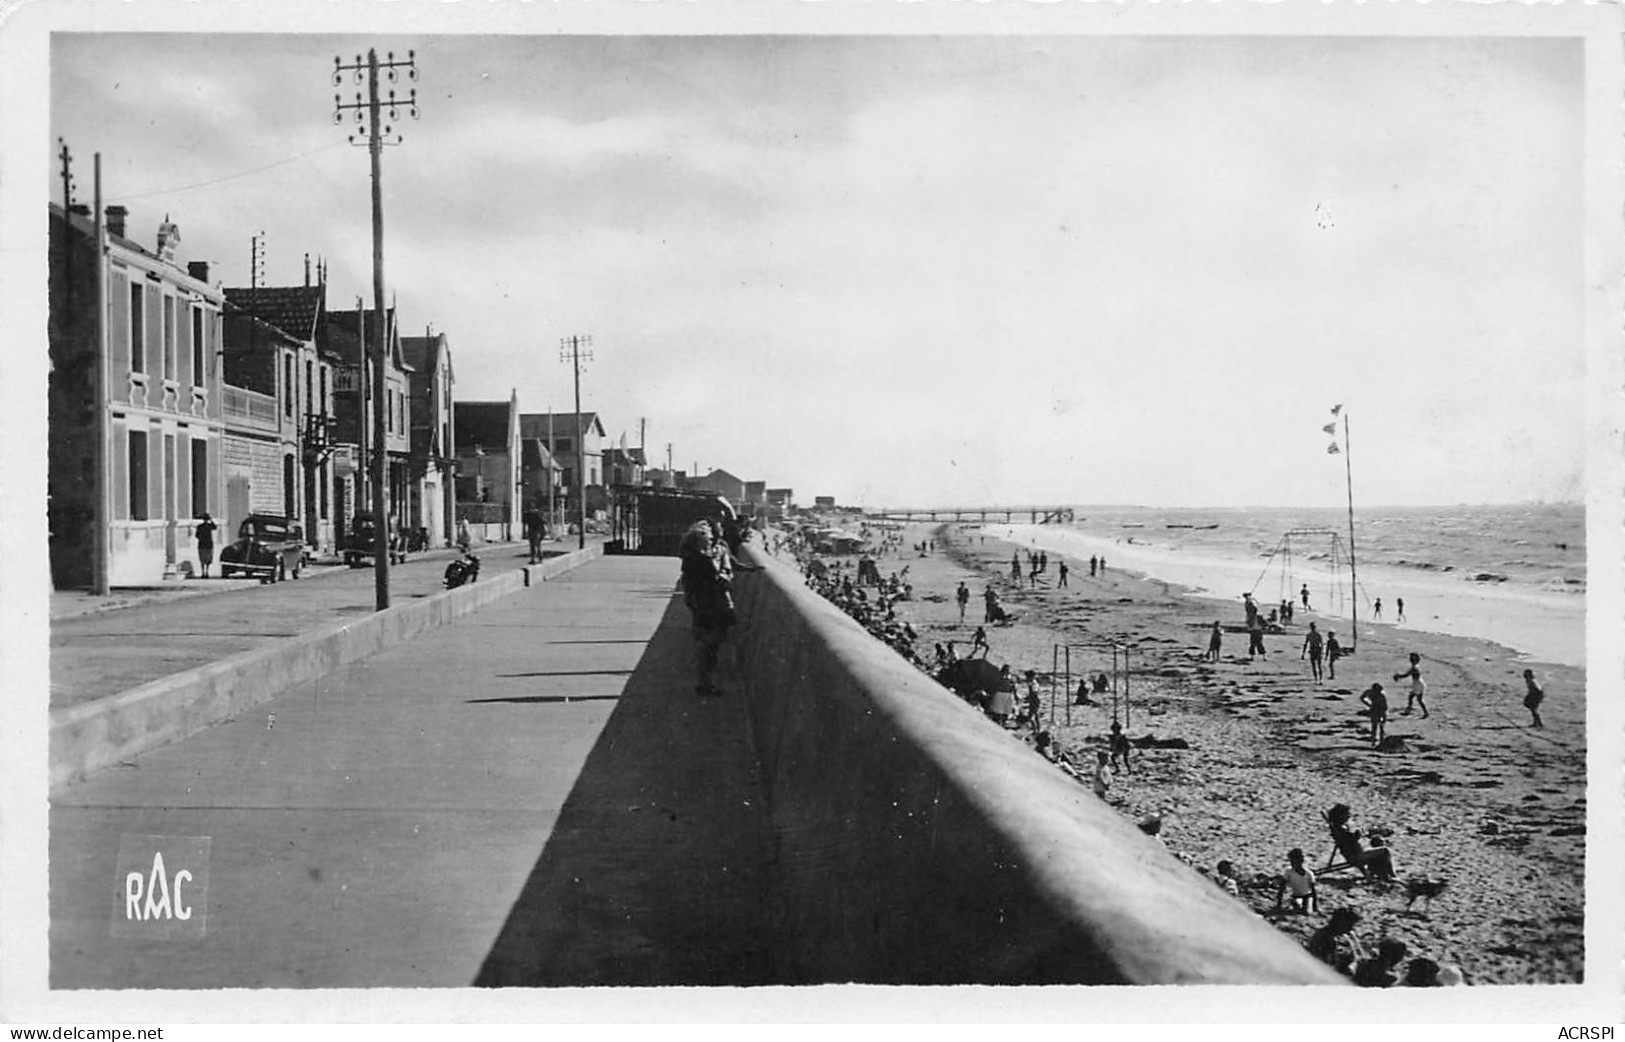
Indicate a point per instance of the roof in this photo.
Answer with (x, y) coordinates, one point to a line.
(85, 225)
(340, 334)
(482, 424)
(535, 455)
(721, 475)
(292, 309)
(534, 424)
(423, 353)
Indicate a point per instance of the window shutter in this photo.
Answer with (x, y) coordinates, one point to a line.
(118, 331)
(120, 492)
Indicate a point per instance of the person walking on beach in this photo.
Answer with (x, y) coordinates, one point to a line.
(1374, 697)
(1093, 561)
(1376, 609)
(1533, 697)
(1419, 687)
(1117, 742)
(1255, 636)
(1033, 703)
(204, 534)
(979, 640)
(1315, 648)
(1003, 700)
(990, 601)
(962, 595)
(1304, 593)
(1399, 609)
(1215, 639)
(1103, 565)
(1015, 566)
(1061, 571)
(1334, 651)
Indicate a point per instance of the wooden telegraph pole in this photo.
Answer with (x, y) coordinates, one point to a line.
(571, 349)
(375, 134)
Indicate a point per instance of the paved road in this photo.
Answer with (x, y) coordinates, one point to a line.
(532, 795)
(102, 653)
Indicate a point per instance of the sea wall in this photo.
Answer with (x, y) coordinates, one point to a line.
(91, 735)
(919, 844)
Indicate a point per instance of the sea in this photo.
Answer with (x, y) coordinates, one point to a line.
(1515, 575)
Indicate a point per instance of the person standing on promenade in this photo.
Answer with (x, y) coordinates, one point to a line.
(962, 595)
(535, 531)
(1061, 572)
(1304, 593)
(1315, 648)
(1378, 702)
(465, 539)
(1399, 609)
(1334, 651)
(707, 570)
(204, 534)
(1215, 640)
(1419, 687)
(1533, 697)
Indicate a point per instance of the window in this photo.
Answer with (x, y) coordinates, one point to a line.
(321, 484)
(288, 388)
(321, 405)
(310, 394)
(200, 476)
(169, 337)
(197, 348)
(138, 475)
(138, 328)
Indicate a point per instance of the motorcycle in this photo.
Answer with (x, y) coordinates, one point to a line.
(464, 570)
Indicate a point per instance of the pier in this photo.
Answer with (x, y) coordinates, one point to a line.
(1034, 515)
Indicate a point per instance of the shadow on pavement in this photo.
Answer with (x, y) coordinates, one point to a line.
(656, 872)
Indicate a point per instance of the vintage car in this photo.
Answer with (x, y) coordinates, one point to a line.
(269, 546)
(358, 541)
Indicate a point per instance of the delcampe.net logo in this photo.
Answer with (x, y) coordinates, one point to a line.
(162, 887)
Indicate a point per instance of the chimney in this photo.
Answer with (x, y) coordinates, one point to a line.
(198, 270)
(307, 271)
(79, 210)
(115, 220)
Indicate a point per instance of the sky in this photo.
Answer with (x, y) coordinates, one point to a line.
(923, 271)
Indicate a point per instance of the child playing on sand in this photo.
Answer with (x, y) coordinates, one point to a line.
(1118, 744)
(1335, 944)
(1533, 697)
(1215, 639)
(1103, 776)
(1300, 881)
(1378, 971)
(1374, 697)
(979, 640)
(1225, 876)
(1082, 698)
(1419, 687)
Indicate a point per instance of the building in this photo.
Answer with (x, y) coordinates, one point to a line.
(723, 484)
(273, 349)
(624, 466)
(134, 403)
(434, 446)
(344, 335)
(489, 488)
(542, 481)
(557, 433)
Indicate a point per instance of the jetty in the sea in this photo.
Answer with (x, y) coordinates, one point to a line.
(1036, 515)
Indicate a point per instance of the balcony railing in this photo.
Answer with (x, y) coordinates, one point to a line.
(251, 408)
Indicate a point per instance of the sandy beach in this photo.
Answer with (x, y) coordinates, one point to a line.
(1477, 799)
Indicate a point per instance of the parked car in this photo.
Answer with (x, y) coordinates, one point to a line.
(358, 541)
(269, 546)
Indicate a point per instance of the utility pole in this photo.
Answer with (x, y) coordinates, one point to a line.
(101, 580)
(375, 134)
(670, 477)
(67, 224)
(571, 349)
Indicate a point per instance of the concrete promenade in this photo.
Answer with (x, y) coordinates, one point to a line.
(531, 795)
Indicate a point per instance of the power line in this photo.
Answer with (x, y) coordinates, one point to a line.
(233, 177)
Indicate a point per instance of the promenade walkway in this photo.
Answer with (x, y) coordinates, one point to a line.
(532, 795)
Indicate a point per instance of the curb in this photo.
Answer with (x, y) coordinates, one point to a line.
(92, 735)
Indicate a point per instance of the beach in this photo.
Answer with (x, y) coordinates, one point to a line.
(1476, 799)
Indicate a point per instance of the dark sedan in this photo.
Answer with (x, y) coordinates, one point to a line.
(268, 546)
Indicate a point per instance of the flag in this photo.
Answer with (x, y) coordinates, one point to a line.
(1337, 408)
(1330, 428)
(1332, 449)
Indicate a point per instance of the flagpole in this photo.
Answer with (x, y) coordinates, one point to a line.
(1354, 578)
